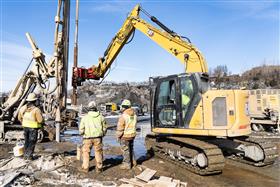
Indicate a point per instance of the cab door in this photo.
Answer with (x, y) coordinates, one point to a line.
(165, 106)
(189, 97)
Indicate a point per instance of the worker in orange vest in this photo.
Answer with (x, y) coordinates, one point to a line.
(126, 132)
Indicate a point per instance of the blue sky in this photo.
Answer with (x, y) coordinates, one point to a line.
(240, 34)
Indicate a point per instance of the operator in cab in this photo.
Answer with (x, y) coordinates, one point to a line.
(93, 128)
(31, 119)
(126, 132)
(186, 93)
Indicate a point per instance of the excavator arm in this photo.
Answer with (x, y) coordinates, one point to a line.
(177, 45)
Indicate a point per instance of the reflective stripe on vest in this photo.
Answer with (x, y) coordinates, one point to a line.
(93, 126)
(130, 124)
(29, 120)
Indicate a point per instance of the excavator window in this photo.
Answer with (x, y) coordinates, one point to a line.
(166, 103)
(167, 93)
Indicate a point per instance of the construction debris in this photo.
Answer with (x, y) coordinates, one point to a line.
(6, 179)
(49, 163)
(144, 180)
(12, 164)
(146, 175)
(47, 169)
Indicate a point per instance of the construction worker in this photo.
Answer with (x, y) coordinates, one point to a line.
(93, 127)
(31, 118)
(126, 132)
(186, 92)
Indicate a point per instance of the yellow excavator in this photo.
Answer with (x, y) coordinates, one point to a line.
(192, 126)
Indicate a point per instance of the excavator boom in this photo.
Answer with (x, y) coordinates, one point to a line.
(182, 49)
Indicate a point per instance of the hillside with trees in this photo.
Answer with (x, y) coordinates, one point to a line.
(265, 76)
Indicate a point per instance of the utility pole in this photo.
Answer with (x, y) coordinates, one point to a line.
(75, 64)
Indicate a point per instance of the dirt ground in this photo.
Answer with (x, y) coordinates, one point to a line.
(234, 173)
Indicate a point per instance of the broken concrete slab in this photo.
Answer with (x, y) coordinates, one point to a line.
(126, 185)
(146, 175)
(183, 184)
(14, 163)
(61, 179)
(158, 183)
(144, 180)
(48, 163)
(8, 178)
(165, 179)
(5, 161)
(133, 182)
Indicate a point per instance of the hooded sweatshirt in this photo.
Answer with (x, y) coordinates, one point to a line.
(93, 125)
(35, 112)
(124, 127)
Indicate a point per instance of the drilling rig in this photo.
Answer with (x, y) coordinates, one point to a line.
(48, 80)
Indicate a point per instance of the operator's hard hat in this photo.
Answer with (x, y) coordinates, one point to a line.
(126, 102)
(92, 104)
(31, 97)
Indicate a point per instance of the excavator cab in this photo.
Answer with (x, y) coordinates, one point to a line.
(175, 98)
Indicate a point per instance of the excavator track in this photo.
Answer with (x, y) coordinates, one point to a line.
(269, 150)
(215, 158)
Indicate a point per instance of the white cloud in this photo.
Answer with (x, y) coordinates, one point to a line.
(268, 10)
(16, 50)
(14, 60)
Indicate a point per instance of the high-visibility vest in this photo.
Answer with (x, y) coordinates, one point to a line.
(29, 120)
(93, 126)
(130, 124)
(185, 100)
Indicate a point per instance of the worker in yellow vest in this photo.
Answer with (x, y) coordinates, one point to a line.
(186, 93)
(126, 132)
(93, 127)
(31, 118)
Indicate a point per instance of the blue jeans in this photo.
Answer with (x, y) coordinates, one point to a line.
(30, 139)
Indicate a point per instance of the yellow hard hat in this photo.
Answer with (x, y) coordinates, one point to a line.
(31, 97)
(126, 102)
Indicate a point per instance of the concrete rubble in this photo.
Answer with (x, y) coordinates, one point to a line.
(47, 169)
(145, 179)
(51, 169)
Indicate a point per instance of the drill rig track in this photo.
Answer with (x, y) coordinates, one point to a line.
(184, 152)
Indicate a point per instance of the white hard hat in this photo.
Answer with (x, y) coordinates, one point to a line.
(91, 104)
(31, 97)
(126, 102)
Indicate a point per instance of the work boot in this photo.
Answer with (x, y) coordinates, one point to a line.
(125, 166)
(98, 170)
(81, 169)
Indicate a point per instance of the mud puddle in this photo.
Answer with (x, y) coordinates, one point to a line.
(111, 146)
